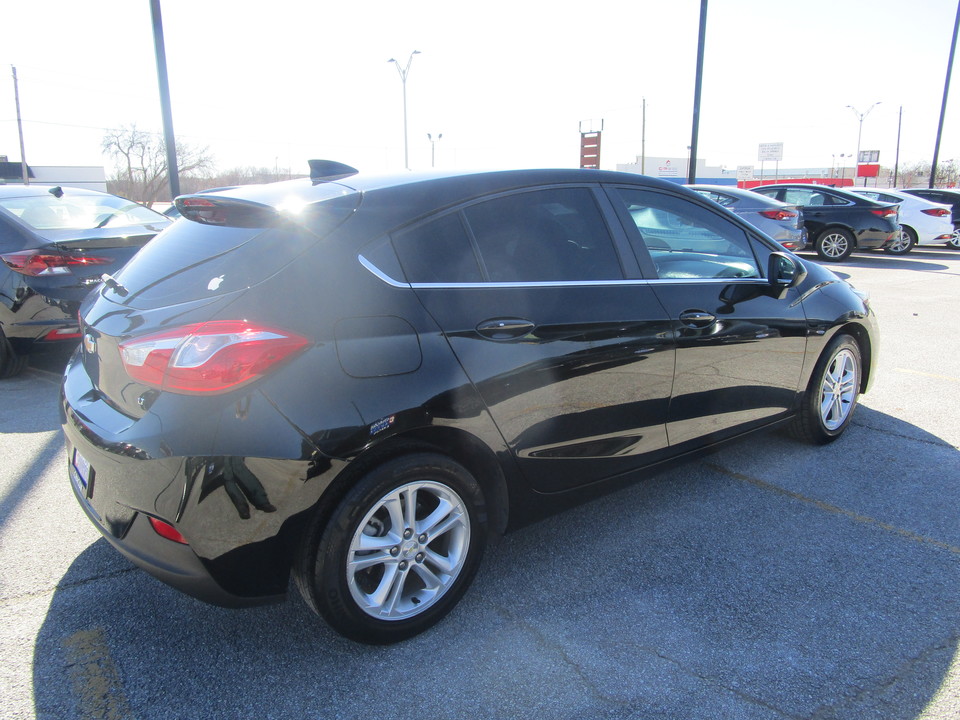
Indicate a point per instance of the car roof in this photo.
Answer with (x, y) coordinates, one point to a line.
(435, 189)
(843, 192)
(731, 190)
(950, 191)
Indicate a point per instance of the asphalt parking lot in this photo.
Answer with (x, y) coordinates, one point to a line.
(769, 580)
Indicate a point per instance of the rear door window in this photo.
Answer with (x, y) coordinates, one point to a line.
(549, 235)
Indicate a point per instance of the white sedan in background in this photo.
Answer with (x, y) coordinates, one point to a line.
(921, 222)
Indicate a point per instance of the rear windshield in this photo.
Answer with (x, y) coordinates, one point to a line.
(191, 261)
(78, 212)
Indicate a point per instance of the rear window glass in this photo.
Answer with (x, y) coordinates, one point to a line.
(190, 261)
(78, 212)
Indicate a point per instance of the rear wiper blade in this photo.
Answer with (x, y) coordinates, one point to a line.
(111, 282)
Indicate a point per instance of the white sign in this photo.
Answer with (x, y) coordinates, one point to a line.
(668, 169)
(869, 156)
(744, 172)
(770, 151)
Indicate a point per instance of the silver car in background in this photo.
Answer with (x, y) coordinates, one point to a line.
(779, 220)
(922, 222)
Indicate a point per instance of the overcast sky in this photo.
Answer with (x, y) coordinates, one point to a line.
(506, 83)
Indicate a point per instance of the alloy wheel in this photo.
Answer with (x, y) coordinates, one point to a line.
(954, 241)
(408, 550)
(902, 243)
(838, 391)
(835, 245)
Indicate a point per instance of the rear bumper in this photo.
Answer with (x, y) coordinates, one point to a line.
(872, 240)
(240, 515)
(170, 562)
(33, 324)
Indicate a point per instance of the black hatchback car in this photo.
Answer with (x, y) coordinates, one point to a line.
(55, 245)
(357, 380)
(838, 222)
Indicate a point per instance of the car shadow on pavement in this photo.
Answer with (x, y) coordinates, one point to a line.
(768, 580)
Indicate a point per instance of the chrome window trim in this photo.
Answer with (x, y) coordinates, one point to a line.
(380, 275)
(383, 277)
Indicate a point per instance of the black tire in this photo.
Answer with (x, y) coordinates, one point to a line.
(10, 362)
(371, 579)
(903, 243)
(834, 245)
(826, 413)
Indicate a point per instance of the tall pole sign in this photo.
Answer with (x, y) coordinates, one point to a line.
(770, 151)
(590, 146)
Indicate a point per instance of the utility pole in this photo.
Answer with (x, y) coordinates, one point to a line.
(643, 141)
(23, 156)
(692, 162)
(896, 162)
(943, 106)
(173, 172)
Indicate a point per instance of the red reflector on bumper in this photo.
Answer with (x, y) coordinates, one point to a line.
(64, 334)
(166, 530)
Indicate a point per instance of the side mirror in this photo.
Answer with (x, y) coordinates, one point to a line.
(784, 271)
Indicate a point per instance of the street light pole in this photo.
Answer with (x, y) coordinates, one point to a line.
(403, 79)
(23, 154)
(433, 148)
(860, 117)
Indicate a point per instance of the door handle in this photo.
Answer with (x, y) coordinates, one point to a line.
(697, 319)
(505, 328)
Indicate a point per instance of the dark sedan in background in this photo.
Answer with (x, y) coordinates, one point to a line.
(55, 244)
(838, 222)
(782, 222)
(357, 379)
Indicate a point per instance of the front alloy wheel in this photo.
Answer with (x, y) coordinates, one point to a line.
(831, 396)
(839, 388)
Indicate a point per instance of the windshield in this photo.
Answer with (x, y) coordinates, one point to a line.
(78, 212)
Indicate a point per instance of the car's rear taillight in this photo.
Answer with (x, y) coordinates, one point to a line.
(886, 212)
(208, 358)
(778, 214)
(39, 263)
(936, 212)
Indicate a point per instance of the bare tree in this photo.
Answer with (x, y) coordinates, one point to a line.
(918, 174)
(141, 163)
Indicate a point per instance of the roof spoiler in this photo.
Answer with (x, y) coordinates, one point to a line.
(322, 171)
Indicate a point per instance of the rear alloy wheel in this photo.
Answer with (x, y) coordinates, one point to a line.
(834, 245)
(10, 362)
(954, 241)
(831, 397)
(398, 552)
(903, 243)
